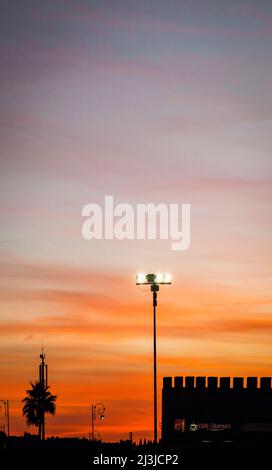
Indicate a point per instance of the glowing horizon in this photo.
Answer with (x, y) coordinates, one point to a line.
(159, 102)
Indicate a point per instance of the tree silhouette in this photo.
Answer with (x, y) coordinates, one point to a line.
(38, 402)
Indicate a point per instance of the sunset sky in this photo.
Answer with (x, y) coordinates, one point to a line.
(148, 101)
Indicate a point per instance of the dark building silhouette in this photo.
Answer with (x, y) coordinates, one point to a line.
(209, 404)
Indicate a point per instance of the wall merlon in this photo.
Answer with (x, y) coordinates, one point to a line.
(217, 383)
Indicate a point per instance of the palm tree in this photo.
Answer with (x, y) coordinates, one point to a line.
(38, 402)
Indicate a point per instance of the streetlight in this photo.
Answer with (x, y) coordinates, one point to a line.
(98, 411)
(6, 415)
(154, 280)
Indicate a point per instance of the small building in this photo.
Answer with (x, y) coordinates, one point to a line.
(212, 404)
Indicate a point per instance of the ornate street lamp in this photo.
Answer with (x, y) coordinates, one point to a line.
(98, 412)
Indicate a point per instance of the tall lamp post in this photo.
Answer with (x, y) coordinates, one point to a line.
(98, 411)
(6, 415)
(154, 280)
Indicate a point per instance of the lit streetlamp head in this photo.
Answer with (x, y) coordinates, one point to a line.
(159, 278)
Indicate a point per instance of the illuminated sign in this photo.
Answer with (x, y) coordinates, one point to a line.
(179, 425)
(209, 427)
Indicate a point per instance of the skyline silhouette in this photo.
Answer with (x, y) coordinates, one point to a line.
(150, 102)
(204, 404)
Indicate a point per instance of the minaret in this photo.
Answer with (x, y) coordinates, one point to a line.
(43, 376)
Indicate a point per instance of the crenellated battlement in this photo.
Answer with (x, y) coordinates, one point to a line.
(233, 405)
(217, 383)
